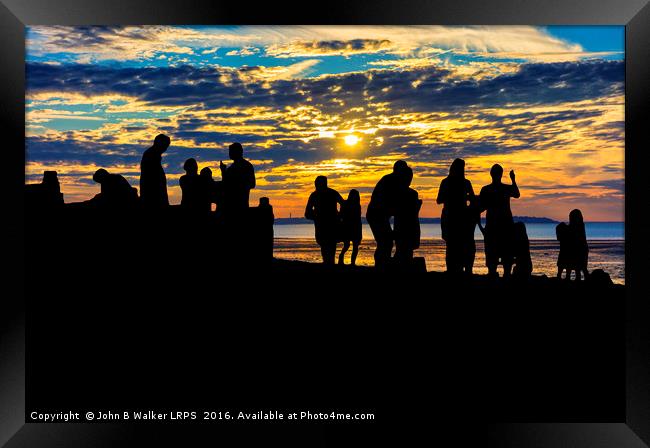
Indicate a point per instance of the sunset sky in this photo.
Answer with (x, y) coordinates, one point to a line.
(343, 101)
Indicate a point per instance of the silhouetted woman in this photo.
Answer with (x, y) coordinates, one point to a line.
(574, 250)
(351, 226)
(458, 219)
(191, 186)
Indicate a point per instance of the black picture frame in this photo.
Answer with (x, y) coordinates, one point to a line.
(634, 431)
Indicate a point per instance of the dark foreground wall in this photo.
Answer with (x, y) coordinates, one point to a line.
(118, 324)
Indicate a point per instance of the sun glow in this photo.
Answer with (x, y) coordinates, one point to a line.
(351, 140)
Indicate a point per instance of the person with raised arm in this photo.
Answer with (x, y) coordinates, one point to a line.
(494, 199)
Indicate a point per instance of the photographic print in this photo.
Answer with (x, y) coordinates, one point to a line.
(480, 151)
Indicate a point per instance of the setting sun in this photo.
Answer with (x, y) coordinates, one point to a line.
(351, 140)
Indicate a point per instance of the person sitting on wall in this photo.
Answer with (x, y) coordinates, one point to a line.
(115, 193)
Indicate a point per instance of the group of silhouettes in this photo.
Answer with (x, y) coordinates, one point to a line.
(392, 213)
(391, 198)
(199, 190)
(505, 241)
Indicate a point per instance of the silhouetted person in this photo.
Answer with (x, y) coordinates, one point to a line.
(458, 218)
(351, 226)
(210, 190)
(238, 179)
(495, 200)
(407, 221)
(574, 250)
(579, 246)
(266, 219)
(563, 258)
(521, 252)
(190, 183)
(322, 209)
(116, 192)
(383, 203)
(153, 182)
(469, 252)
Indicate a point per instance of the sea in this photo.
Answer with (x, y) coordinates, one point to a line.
(606, 247)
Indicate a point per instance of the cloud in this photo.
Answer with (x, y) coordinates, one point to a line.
(305, 120)
(121, 43)
(281, 72)
(46, 115)
(556, 123)
(420, 89)
(246, 51)
(90, 43)
(329, 48)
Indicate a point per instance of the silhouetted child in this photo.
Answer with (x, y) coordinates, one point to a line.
(574, 250)
(469, 245)
(562, 235)
(211, 190)
(266, 222)
(351, 226)
(521, 252)
(190, 186)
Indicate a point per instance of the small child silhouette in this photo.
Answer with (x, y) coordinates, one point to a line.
(574, 250)
(351, 226)
(521, 251)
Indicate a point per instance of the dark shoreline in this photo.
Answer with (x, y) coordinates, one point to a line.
(425, 220)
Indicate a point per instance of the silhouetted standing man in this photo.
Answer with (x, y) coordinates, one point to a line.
(382, 206)
(322, 209)
(499, 225)
(238, 179)
(153, 182)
